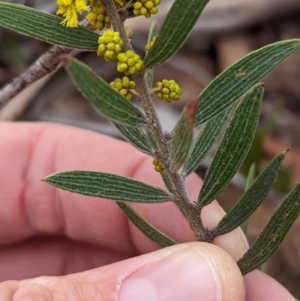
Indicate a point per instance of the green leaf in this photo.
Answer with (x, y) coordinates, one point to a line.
(175, 29)
(150, 72)
(151, 139)
(150, 231)
(240, 77)
(251, 176)
(99, 93)
(250, 180)
(46, 27)
(136, 137)
(273, 234)
(205, 140)
(109, 186)
(234, 146)
(168, 183)
(252, 198)
(183, 136)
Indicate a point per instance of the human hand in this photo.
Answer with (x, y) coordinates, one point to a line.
(87, 247)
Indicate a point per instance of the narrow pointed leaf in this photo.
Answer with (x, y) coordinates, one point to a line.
(99, 93)
(151, 139)
(183, 136)
(273, 234)
(175, 29)
(234, 146)
(136, 137)
(46, 27)
(251, 176)
(252, 198)
(168, 183)
(250, 180)
(150, 72)
(109, 186)
(150, 231)
(205, 140)
(240, 77)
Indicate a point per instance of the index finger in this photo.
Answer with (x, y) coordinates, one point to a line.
(29, 152)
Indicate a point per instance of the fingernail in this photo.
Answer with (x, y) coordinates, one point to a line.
(184, 275)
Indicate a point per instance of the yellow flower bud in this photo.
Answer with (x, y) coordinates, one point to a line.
(151, 43)
(159, 167)
(122, 67)
(122, 58)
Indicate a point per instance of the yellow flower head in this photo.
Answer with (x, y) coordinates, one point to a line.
(124, 86)
(98, 17)
(129, 62)
(146, 8)
(110, 45)
(69, 9)
(168, 90)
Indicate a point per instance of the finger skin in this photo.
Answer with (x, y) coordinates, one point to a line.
(261, 287)
(53, 256)
(29, 152)
(209, 274)
(36, 208)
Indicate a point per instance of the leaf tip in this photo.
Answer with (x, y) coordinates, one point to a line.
(287, 150)
(93, 73)
(67, 61)
(191, 109)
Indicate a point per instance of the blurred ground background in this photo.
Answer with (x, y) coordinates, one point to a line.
(228, 30)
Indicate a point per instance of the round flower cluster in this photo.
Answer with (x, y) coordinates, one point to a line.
(110, 45)
(129, 62)
(168, 90)
(98, 17)
(150, 44)
(159, 167)
(69, 9)
(124, 86)
(146, 7)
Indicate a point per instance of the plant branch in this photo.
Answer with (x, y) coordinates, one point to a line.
(183, 201)
(45, 64)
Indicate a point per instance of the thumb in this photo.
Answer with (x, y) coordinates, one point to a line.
(191, 271)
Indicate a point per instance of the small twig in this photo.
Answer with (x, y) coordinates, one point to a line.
(44, 65)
